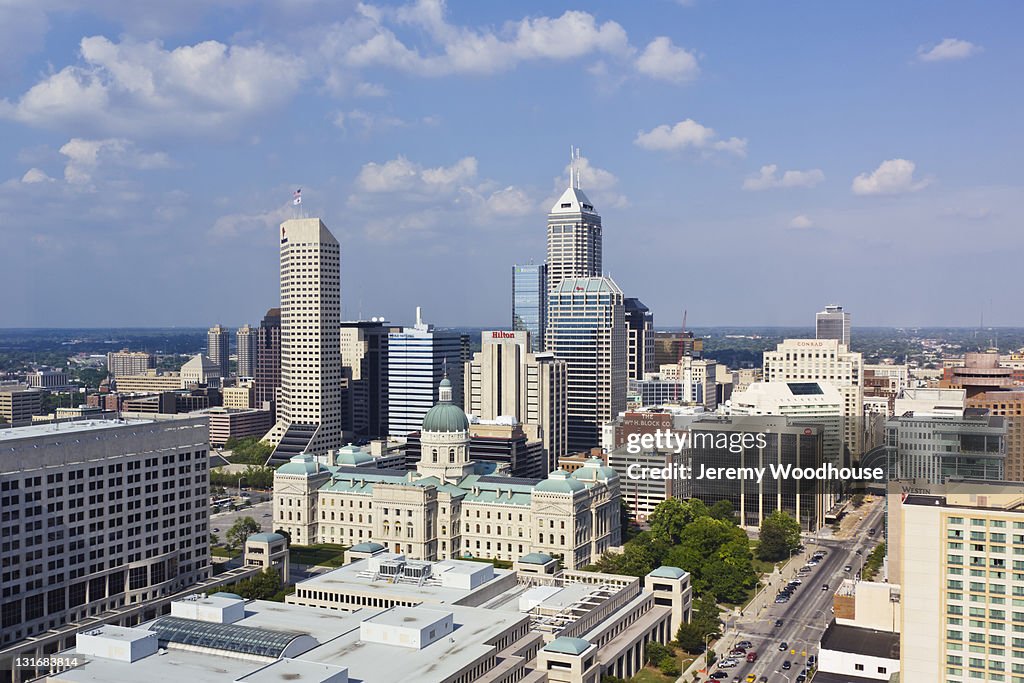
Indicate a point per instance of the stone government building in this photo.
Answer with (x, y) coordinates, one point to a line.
(450, 507)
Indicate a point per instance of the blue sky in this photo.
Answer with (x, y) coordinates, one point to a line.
(752, 161)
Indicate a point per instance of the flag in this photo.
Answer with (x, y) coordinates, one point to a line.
(297, 197)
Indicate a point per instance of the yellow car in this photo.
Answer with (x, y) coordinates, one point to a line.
(751, 678)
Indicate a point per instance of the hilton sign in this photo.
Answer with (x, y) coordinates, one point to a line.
(518, 336)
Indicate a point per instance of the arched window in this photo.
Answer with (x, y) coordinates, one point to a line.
(433, 454)
(451, 455)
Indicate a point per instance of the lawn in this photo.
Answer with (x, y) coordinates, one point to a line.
(323, 554)
(219, 551)
(650, 674)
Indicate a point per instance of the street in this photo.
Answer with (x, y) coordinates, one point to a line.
(223, 520)
(808, 612)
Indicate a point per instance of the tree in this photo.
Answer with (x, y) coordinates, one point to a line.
(626, 523)
(703, 623)
(214, 540)
(673, 515)
(724, 511)
(780, 535)
(656, 652)
(262, 586)
(241, 530)
(857, 500)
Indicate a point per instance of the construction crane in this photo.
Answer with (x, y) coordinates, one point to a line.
(679, 360)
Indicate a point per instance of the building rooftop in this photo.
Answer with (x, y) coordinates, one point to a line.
(70, 428)
(861, 641)
(569, 646)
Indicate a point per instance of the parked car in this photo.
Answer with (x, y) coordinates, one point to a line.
(719, 675)
(727, 663)
(847, 568)
(745, 644)
(778, 623)
(751, 656)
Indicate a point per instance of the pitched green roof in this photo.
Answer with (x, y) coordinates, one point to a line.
(667, 572)
(266, 538)
(568, 646)
(535, 558)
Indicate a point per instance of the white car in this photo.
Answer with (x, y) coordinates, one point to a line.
(727, 663)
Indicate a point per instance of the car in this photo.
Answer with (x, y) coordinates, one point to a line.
(751, 678)
(745, 644)
(821, 552)
(847, 568)
(787, 665)
(751, 656)
(811, 661)
(795, 582)
(266, 515)
(778, 623)
(783, 646)
(737, 651)
(781, 600)
(763, 679)
(859, 551)
(801, 679)
(871, 532)
(719, 675)
(727, 663)
(216, 530)
(824, 586)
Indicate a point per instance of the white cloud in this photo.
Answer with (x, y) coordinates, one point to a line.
(84, 157)
(464, 50)
(663, 60)
(948, 50)
(801, 222)
(600, 185)
(251, 224)
(369, 90)
(34, 175)
(510, 201)
(893, 176)
(768, 178)
(402, 175)
(688, 134)
(138, 88)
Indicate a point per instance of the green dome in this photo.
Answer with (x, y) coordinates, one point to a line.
(352, 456)
(445, 417)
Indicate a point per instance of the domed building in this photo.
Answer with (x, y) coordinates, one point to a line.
(450, 506)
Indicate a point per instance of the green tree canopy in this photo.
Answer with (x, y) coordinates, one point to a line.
(780, 536)
(242, 529)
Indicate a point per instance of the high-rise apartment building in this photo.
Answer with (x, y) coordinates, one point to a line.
(419, 357)
(125, 362)
(828, 361)
(587, 329)
(116, 520)
(268, 358)
(310, 413)
(639, 338)
(364, 365)
(530, 302)
(505, 379)
(574, 237)
(245, 351)
(218, 349)
(926, 446)
(956, 553)
(833, 323)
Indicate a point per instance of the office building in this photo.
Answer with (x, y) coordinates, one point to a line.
(395, 619)
(643, 495)
(309, 415)
(19, 404)
(574, 237)
(669, 347)
(506, 380)
(364, 365)
(1008, 405)
(696, 380)
(933, 447)
(268, 359)
(245, 351)
(217, 348)
(51, 380)
(151, 381)
(240, 397)
(446, 508)
(530, 302)
(418, 358)
(118, 519)
(125, 362)
(587, 329)
(979, 372)
(639, 338)
(961, 581)
(235, 423)
(826, 361)
(200, 371)
(833, 323)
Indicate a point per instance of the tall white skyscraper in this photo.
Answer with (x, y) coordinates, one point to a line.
(245, 336)
(833, 323)
(418, 359)
(587, 329)
(310, 414)
(574, 234)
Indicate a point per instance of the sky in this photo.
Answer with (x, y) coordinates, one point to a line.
(752, 162)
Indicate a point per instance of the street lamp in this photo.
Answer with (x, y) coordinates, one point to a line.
(240, 486)
(707, 654)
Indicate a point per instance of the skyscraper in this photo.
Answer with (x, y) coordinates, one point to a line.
(268, 358)
(125, 362)
(833, 323)
(587, 329)
(530, 302)
(364, 361)
(574, 235)
(640, 338)
(245, 338)
(309, 416)
(418, 359)
(505, 379)
(217, 349)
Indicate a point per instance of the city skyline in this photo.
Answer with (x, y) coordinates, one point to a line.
(783, 167)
